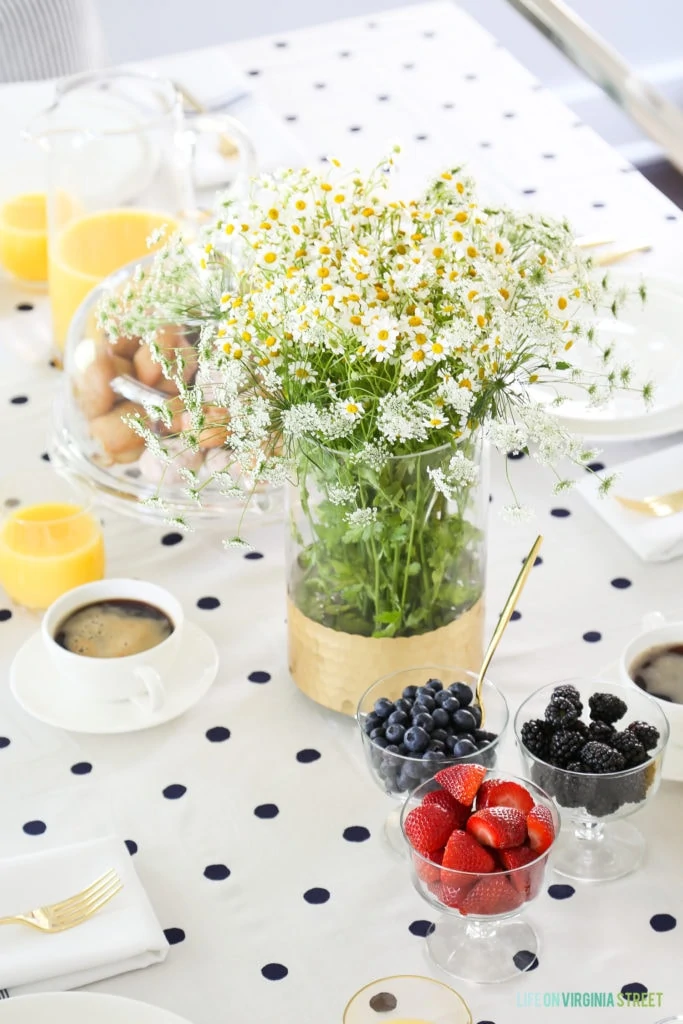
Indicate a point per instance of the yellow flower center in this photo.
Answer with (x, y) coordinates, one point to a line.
(323, 272)
(271, 340)
(301, 373)
(437, 252)
(437, 348)
(415, 321)
(499, 248)
(472, 252)
(325, 250)
(326, 187)
(458, 236)
(246, 336)
(383, 335)
(300, 204)
(418, 356)
(461, 217)
(270, 257)
(352, 408)
(368, 211)
(339, 198)
(273, 214)
(229, 228)
(562, 302)
(505, 293)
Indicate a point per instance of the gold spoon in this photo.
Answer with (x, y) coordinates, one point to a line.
(504, 619)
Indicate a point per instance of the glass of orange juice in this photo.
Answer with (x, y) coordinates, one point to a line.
(407, 999)
(23, 237)
(50, 540)
(120, 170)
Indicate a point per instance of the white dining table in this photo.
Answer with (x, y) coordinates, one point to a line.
(251, 941)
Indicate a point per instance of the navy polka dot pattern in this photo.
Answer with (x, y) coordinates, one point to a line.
(4, 742)
(267, 811)
(253, 556)
(307, 756)
(356, 834)
(274, 972)
(516, 616)
(217, 872)
(175, 791)
(259, 677)
(169, 539)
(561, 892)
(82, 768)
(131, 846)
(19, 400)
(5, 614)
(218, 734)
(34, 828)
(620, 583)
(592, 636)
(560, 513)
(174, 936)
(525, 960)
(24, 307)
(317, 895)
(421, 928)
(45, 456)
(663, 922)
(515, 456)
(634, 988)
(208, 604)
(596, 467)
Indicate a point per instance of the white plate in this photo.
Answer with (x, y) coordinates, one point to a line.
(36, 689)
(650, 339)
(82, 1008)
(673, 759)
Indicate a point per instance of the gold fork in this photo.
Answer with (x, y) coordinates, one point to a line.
(657, 505)
(596, 241)
(69, 913)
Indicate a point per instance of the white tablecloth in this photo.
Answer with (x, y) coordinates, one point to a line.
(239, 866)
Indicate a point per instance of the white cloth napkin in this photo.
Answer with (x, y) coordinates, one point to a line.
(654, 540)
(124, 936)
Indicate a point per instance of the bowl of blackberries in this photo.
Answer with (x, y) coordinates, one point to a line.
(597, 748)
(417, 721)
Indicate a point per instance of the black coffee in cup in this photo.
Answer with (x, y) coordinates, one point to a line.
(659, 672)
(113, 628)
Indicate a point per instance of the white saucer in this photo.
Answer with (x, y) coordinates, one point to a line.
(673, 758)
(35, 686)
(83, 1008)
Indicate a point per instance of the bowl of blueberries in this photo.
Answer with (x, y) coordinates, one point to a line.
(416, 721)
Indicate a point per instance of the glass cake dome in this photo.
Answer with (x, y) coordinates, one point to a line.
(92, 445)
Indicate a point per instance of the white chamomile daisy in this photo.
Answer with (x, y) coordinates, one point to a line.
(302, 372)
(351, 409)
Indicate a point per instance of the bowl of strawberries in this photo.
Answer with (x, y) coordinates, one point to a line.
(480, 842)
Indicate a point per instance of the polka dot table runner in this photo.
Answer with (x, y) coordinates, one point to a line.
(252, 819)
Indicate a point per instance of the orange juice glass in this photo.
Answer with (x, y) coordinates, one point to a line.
(47, 549)
(23, 236)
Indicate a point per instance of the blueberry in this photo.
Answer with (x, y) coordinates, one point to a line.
(391, 748)
(437, 745)
(464, 721)
(416, 739)
(405, 779)
(432, 755)
(466, 736)
(384, 707)
(424, 702)
(451, 704)
(464, 748)
(424, 721)
(403, 750)
(394, 732)
(475, 710)
(482, 744)
(377, 733)
(403, 705)
(441, 718)
(450, 742)
(463, 692)
(481, 734)
(410, 692)
(441, 697)
(397, 718)
(380, 741)
(439, 734)
(371, 722)
(434, 685)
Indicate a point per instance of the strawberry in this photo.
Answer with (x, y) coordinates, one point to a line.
(428, 870)
(514, 859)
(463, 853)
(441, 798)
(462, 781)
(500, 827)
(428, 828)
(492, 895)
(453, 895)
(541, 829)
(501, 793)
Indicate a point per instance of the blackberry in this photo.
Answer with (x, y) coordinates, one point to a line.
(646, 733)
(576, 766)
(582, 730)
(561, 711)
(606, 707)
(536, 737)
(564, 746)
(628, 744)
(602, 732)
(600, 758)
(570, 693)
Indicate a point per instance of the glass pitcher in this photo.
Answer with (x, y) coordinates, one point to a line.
(120, 160)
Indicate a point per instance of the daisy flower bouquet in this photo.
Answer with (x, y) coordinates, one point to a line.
(363, 350)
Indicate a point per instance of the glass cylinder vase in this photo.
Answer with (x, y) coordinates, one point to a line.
(386, 559)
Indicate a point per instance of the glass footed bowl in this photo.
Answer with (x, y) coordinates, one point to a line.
(398, 773)
(91, 445)
(596, 844)
(480, 936)
(407, 999)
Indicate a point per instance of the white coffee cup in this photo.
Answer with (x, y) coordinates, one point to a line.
(656, 632)
(139, 678)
